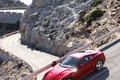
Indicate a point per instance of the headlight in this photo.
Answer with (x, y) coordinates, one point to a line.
(74, 70)
(43, 77)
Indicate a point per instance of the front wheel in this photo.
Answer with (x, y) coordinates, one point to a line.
(99, 65)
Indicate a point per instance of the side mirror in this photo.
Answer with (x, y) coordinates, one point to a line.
(81, 65)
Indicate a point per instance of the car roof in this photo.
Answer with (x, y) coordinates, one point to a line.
(85, 53)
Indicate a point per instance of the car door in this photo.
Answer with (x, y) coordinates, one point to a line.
(87, 67)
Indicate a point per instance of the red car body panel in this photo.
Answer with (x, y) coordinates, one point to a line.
(62, 73)
(57, 73)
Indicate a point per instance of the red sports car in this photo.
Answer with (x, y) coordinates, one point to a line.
(76, 66)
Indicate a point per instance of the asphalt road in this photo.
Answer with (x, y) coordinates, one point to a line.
(38, 59)
(111, 70)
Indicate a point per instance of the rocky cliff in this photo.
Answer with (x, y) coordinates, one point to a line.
(11, 3)
(13, 68)
(60, 26)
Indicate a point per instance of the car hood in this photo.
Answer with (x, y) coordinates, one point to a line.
(57, 73)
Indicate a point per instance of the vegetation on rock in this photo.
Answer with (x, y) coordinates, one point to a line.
(94, 15)
(96, 2)
(7, 28)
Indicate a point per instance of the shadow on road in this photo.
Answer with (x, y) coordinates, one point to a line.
(98, 75)
(32, 47)
(110, 45)
(28, 46)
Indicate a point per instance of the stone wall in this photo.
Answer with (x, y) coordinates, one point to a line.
(8, 17)
(12, 67)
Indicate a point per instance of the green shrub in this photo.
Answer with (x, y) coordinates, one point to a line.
(1, 25)
(9, 26)
(96, 2)
(17, 25)
(89, 21)
(94, 15)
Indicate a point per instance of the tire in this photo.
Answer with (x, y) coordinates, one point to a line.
(99, 65)
(69, 79)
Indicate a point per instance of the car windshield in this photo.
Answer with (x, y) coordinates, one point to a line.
(70, 62)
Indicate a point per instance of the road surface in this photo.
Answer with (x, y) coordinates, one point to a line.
(36, 59)
(112, 65)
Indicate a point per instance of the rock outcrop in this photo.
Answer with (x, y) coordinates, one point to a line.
(57, 26)
(47, 24)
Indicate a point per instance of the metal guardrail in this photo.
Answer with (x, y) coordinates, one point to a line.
(77, 50)
(9, 34)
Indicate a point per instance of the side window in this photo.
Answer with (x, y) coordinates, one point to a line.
(85, 59)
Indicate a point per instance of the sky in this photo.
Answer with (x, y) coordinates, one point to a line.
(28, 2)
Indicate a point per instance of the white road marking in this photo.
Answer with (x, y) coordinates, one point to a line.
(42, 60)
(31, 56)
(98, 74)
(21, 51)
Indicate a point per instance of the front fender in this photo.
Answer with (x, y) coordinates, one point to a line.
(46, 74)
(68, 75)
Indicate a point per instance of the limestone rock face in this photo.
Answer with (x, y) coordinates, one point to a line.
(47, 24)
(41, 3)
